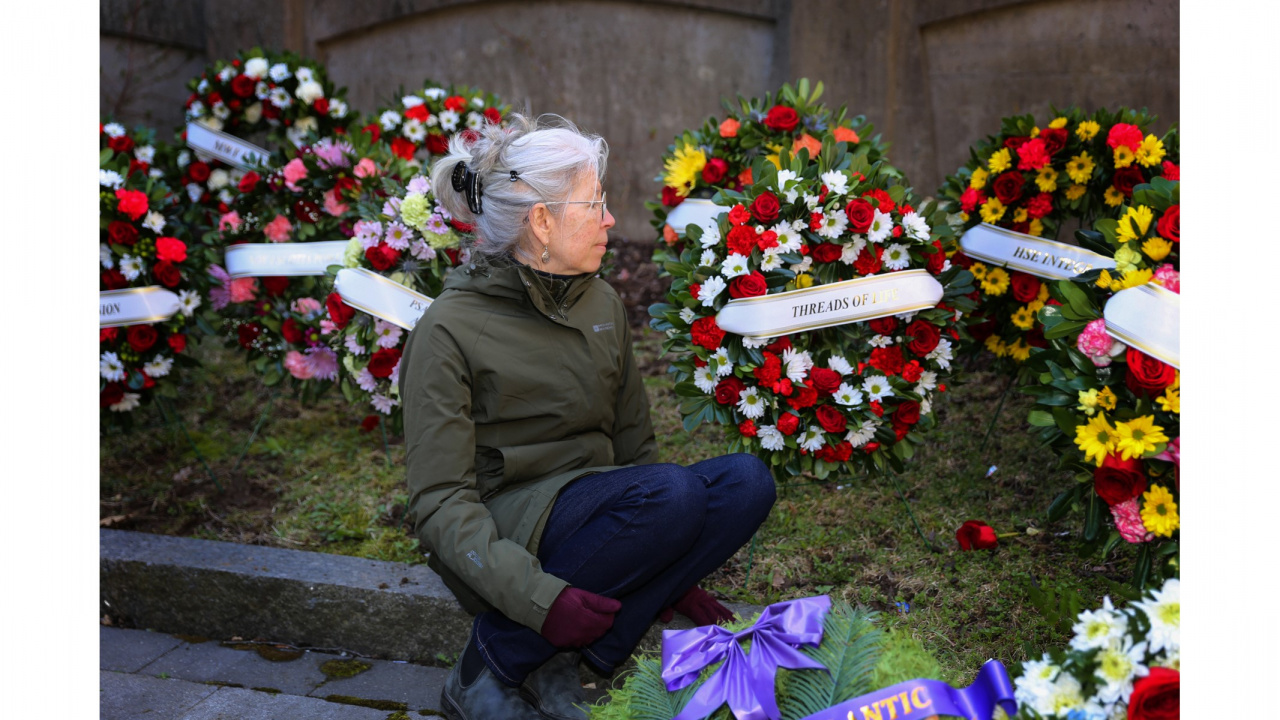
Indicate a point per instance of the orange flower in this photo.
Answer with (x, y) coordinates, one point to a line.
(729, 128)
(669, 234)
(807, 141)
(745, 178)
(844, 134)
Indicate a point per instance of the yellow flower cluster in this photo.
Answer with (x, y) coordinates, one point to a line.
(995, 282)
(1087, 129)
(1000, 161)
(1171, 400)
(1019, 350)
(1151, 152)
(992, 210)
(1098, 438)
(978, 180)
(683, 168)
(1134, 224)
(1047, 179)
(1080, 168)
(1130, 278)
(1058, 122)
(1075, 192)
(1123, 156)
(1159, 511)
(1092, 401)
(1113, 197)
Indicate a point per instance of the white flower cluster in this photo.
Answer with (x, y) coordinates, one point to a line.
(1108, 656)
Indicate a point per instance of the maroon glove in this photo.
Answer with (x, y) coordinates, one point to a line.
(698, 605)
(578, 618)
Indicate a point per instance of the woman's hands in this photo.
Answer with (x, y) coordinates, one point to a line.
(698, 605)
(578, 618)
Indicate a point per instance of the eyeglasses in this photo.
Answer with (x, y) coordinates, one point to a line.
(604, 207)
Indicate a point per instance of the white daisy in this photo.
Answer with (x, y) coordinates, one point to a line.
(475, 121)
(915, 226)
(789, 237)
(812, 439)
(219, 179)
(840, 365)
(803, 265)
(941, 354)
(710, 289)
(225, 197)
(226, 73)
(928, 381)
(195, 109)
(881, 226)
(434, 93)
(880, 341)
(110, 367)
(353, 346)
(837, 182)
(705, 379)
(688, 315)
(1036, 681)
(755, 342)
(708, 258)
(114, 130)
(280, 98)
(382, 403)
(896, 257)
(105, 257)
(366, 380)
(261, 90)
(926, 406)
(848, 395)
(1097, 628)
(304, 75)
(256, 67)
(750, 404)
(188, 301)
(337, 109)
(797, 362)
(811, 201)
(202, 87)
(184, 158)
(1163, 610)
(772, 260)
(414, 130)
(132, 267)
(1118, 664)
(110, 179)
(833, 224)
(221, 111)
(194, 191)
(127, 403)
(785, 178)
(720, 363)
(770, 438)
(710, 234)
(154, 222)
(389, 120)
(877, 387)
(433, 121)
(145, 153)
(279, 72)
(1060, 698)
(387, 335)
(159, 367)
(735, 265)
(863, 434)
(449, 121)
(906, 317)
(155, 173)
(849, 252)
(411, 101)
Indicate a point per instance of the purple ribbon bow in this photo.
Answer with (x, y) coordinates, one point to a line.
(744, 681)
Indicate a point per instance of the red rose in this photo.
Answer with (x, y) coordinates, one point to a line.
(1013, 143)
(770, 371)
(912, 371)
(738, 215)
(404, 148)
(884, 325)
(1008, 186)
(868, 261)
(706, 333)
(670, 196)
(120, 143)
(113, 279)
(382, 256)
(493, 115)
(1119, 480)
(922, 337)
(908, 413)
(1032, 155)
(1147, 375)
(782, 118)
(976, 535)
(824, 381)
(936, 260)
(243, 85)
(1025, 287)
(802, 396)
(456, 103)
(306, 211)
(111, 394)
(291, 332)
(741, 240)
(887, 359)
(141, 337)
(369, 423)
(131, 203)
(728, 390)
(788, 423)
(275, 285)
(1156, 696)
(765, 207)
(384, 362)
(840, 453)
(971, 199)
(198, 171)
(122, 233)
(831, 419)
(780, 345)
(714, 171)
(322, 106)
(1168, 225)
(178, 342)
(375, 132)
(827, 252)
(167, 274)
(340, 313)
(437, 144)
(419, 113)
(871, 447)
(171, 249)
(881, 200)
(249, 182)
(749, 285)
(1126, 179)
(1124, 134)
(747, 428)
(1054, 139)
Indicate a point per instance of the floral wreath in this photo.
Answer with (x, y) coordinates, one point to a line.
(824, 400)
(1032, 180)
(430, 117)
(1110, 409)
(141, 245)
(720, 154)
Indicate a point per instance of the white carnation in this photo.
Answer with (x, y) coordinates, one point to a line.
(127, 403)
(798, 363)
(114, 130)
(310, 91)
(154, 222)
(145, 153)
(389, 120)
(941, 354)
(688, 315)
(105, 257)
(837, 182)
(219, 179)
(915, 226)
(928, 381)
(434, 93)
(110, 179)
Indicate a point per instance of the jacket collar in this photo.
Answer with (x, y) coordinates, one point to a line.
(511, 280)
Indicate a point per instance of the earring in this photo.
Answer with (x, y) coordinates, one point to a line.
(546, 253)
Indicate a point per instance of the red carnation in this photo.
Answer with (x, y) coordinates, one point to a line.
(131, 203)
(937, 259)
(782, 118)
(198, 171)
(120, 143)
(1033, 155)
(1169, 225)
(178, 342)
(111, 394)
(728, 390)
(827, 253)
(839, 453)
(824, 381)
(437, 144)
(306, 211)
(1156, 696)
(976, 535)
(741, 240)
(738, 215)
(747, 428)
(887, 359)
(970, 200)
(1054, 139)
(912, 371)
(884, 325)
(456, 103)
(1170, 171)
(1146, 375)
(141, 337)
(922, 337)
(780, 345)
(122, 233)
(249, 182)
(1124, 134)
(167, 274)
(1025, 287)
(750, 285)
(1008, 187)
(1040, 205)
(384, 362)
(802, 396)
(419, 113)
(171, 249)
(404, 148)
(881, 199)
(770, 371)
(765, 207)
(706, 333)
(375, 132)
(340, 313)
(1126, 179)
(321, 105)
(788, 423)
(767, 240)
(714, 171)
(1118, 480)
(291, 332)
(107, 335)
(369, 423)
(493, 115)
(868, 261)
(670, 196)
(831, 419)
(382, 256)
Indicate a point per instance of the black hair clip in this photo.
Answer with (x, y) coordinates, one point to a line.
(514, 176)
(465, 181)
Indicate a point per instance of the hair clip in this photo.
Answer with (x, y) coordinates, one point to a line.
(514, 177)
(465, 181)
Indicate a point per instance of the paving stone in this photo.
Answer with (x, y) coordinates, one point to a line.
(416, 685)
(240, 704)
(130, 650)
(122, 696)
(212, 662)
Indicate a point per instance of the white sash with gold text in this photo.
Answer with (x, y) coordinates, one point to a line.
(1047, 259)
(132, 306)
(381, 297)
(229, 149)
(1146, 318)
(288, 259)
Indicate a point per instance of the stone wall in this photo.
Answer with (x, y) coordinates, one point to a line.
(932, 75)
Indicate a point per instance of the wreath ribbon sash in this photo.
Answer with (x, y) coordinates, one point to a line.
(381, 297)
(919, 699)
(283, 259)
(210, 143)
(132, 306)
(695, 211)
(1043, 258)
(821, 306)
(1146, 317)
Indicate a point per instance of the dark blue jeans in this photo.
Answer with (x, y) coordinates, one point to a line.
(643, 535)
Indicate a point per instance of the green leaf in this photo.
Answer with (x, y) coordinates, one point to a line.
(1062, 329)
(1040, 418)
(1066, 421)
(1058, 508)
(1094, 520)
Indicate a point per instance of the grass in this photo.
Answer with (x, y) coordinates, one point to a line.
(313, 480)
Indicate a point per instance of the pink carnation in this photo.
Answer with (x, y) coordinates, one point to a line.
(278, 229)
(1168, 277)
(333, 205)
(244, 289)
(366, 168)
(229, 220)
(322, 363)
(297, 365)
(306, 306)
(1128, 521)
(293, 172)
(1097, 345)
(327, 326)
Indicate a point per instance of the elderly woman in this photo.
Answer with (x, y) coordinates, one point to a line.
(530, 450)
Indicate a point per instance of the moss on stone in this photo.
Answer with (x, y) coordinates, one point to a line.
(278, 654)
(273, 691)
(344, 668)
(375, 704)
(192, 639)
(219, 683)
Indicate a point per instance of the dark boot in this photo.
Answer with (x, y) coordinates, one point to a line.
(555, 688)
(485, 699)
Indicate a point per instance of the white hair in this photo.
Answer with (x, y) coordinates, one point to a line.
(548, 161)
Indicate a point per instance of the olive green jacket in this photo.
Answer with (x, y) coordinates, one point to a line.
(507, 398)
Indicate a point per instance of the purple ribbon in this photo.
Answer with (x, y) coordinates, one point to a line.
(744, 681)
(919, 699)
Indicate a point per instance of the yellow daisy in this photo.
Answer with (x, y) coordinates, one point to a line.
(1138, 437)
(1074, 192)
(979, 270)
(1024, 317)
(1106, 398)
(978, 179)
(1171, 401)
(775, 156)
(1177, 380)
(992, 210)
(1104, 280)
(1080, 168)
(803, 280)
(1157, 248)
(1088, 401)
(683, 169)
(1020, 350)
(1087, 129)
(1134, 278)
(1047, 179)
(1042, 297)
(1058, 122)
(1020, 215)
(995, 345)
(1134, 224)
(1150, 152)
(1035, 227)
(999, 161)
(1096, 438)
(1159, 511)
(1035, 132)
(1123, 156)
(1035, 306)
(964, 217)
(996, 282)
(1113, 196)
